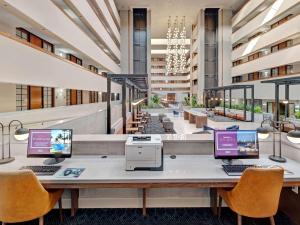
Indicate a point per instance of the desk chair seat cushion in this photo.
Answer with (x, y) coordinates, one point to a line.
(257, 193)
(23, 198)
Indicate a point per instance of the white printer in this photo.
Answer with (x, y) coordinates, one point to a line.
(144, 152)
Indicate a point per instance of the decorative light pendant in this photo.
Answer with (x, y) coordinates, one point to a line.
(176, 47)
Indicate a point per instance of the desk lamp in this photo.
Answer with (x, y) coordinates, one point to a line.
(275, 127)
(20, 134)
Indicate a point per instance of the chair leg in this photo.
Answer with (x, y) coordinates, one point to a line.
(41, 220)
(272, 220)
(60, 210)
(219, 207)
(239, 219)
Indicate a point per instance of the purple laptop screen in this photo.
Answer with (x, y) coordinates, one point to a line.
(47, 142)
(236, 143)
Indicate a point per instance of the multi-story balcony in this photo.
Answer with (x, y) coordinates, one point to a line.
(50, 71)
(194, 74)
(171, 78)
(265, 18)
(249, 11)
(158, 70)
(40, 15)
(98, 30)
(283, 57)
(284, 31)
(172, 90)
(170, 85)
(261, 93)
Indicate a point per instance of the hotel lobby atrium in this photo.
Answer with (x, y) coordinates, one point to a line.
(132, 112)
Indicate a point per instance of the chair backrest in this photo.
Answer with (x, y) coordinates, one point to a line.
(258, 191)
(20, 195)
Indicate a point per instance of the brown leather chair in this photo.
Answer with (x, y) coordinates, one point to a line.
(23, 198)
(256, 195)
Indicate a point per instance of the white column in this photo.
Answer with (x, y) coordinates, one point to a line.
(201, 55)
(224, 47)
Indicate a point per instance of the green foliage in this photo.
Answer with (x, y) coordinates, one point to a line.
(154, 103)
(257, 109)
(297, 115)
(151, 105)
(155, 99)
(194, 102)
(187, 101)
(239, 106)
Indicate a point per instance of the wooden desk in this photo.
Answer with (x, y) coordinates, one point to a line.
(199, 118)
(186, 115)
(186, 171)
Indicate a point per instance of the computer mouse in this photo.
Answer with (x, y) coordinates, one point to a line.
(173, 156)
(67, 172)
(104, 156)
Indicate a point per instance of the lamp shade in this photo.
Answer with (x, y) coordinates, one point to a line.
(294, 136)
(21, 134)
(263, 132)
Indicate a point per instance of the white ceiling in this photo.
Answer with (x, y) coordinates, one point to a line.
(162, 9)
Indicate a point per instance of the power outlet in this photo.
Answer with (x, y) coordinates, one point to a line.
(295, 189)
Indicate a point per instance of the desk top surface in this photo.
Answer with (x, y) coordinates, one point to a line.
(185, 168)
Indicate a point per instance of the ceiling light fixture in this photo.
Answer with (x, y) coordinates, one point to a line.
(176, 47)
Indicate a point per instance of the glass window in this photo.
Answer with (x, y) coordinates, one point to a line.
(274, 72)
(289, 69)
(47, 46)
(112, 96)
(78, 61)
(68, 97)
(104, 96)
(79, 97)
(21, 97)
(22, 34)
(48, 97)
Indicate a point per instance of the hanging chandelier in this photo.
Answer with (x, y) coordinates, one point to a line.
(176, 47)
